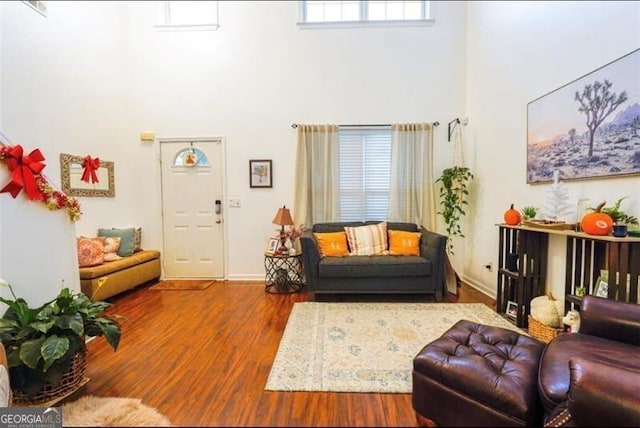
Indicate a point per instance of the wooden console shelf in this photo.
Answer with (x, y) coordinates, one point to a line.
(529, 280)
(586, 256)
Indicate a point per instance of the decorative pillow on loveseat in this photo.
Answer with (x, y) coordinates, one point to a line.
(332, 244)
(127, 239)
(137, 239)
(111, 246)
(368, 240)
(90, 251)
(403, 243)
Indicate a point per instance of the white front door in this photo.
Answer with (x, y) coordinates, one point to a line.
(192, 214)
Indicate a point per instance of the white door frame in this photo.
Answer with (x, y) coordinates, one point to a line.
(225, 205)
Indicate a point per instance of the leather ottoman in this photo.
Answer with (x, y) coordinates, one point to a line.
(478, 375)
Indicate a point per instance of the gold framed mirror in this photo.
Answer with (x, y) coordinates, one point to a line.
(71, 169)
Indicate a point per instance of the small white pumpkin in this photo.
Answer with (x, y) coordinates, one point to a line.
(547, 310)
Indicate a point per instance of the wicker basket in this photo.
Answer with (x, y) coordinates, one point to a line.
(71, 379)
(541, 331)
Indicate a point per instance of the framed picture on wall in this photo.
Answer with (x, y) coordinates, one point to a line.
(589, 127)
(260, 173)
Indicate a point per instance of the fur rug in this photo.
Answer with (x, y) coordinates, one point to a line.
(108, 412)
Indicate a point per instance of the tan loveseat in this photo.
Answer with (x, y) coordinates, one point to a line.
(110, 278)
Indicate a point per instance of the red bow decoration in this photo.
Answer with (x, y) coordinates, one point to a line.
(24, 170)
(90, 166)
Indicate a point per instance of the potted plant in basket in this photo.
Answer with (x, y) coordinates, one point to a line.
(46, 343)
(621, 219)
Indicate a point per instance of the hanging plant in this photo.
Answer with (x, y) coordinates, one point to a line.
(453, 192)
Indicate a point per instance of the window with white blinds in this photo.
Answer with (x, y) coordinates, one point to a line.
(365, 166)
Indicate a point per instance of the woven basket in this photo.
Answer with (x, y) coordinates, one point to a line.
(541, 331)
(70, 380)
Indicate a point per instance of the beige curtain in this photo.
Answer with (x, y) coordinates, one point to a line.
(316, 189)
(411, 193)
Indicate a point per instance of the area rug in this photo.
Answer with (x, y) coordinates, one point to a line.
(93, 411)
(183, 284)
(363, 347)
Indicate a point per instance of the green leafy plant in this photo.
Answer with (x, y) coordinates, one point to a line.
(529, 212)
(454, 188)
(618, 215)
(40, 342)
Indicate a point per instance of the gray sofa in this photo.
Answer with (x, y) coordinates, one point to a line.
(423, 274)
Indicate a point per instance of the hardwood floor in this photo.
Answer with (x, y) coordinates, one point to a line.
(202, 358)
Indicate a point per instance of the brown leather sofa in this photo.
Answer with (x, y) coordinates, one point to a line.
(476, 375)
(593, 376)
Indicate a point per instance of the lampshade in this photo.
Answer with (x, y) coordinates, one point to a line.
(283, 217)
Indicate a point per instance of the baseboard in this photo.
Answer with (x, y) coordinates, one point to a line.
(246, 277)
(480, 287)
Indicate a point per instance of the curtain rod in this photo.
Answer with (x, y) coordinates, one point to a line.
(295, 125)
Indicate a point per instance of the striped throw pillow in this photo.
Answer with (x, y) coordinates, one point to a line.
(370, 240)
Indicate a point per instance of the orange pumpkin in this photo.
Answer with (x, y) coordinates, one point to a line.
(597, 223)
(512, 216)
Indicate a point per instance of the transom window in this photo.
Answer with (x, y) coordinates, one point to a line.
(187, 15)
(313, 11)
(191, 156)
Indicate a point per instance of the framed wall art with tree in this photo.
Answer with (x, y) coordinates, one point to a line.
(589, 127)
(260, 173)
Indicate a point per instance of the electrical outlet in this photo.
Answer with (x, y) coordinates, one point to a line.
(489, 266)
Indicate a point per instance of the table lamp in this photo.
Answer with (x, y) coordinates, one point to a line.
(283, 218)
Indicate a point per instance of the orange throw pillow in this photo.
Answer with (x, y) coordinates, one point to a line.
(402, 243)
(332, 244)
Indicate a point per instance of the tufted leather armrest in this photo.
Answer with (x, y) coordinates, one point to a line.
(603, 394)
(310, 257)
(432, 247)
(610, 319)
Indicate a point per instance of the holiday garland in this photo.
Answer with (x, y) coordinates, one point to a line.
(26, 173)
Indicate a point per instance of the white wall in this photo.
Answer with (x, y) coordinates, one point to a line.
(91, 76)
(37, 246)
(518, 51)
(104, 75)
(259, 73)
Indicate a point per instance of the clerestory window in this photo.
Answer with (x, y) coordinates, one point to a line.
(187, 15)
(351, 11)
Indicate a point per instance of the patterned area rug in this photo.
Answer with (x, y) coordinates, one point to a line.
(363, 347)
